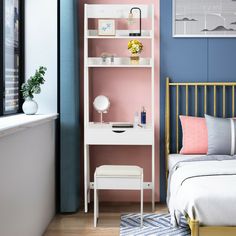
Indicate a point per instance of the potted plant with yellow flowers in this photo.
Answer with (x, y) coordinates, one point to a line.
(135, 47)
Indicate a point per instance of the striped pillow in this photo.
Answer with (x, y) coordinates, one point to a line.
(221, 136)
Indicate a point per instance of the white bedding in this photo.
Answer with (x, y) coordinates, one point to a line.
(175, 158)
(204, 190)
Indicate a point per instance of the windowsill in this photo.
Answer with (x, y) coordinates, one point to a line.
(19, 122)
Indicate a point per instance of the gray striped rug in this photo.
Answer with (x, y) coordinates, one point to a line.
(153, 225)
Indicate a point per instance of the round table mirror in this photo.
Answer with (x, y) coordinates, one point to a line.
(101, 104)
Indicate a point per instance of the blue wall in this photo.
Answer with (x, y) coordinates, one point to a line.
(191, 60)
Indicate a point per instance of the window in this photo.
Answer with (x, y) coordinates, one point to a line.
(11, 54)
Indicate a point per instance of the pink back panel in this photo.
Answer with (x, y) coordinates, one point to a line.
(127, 89)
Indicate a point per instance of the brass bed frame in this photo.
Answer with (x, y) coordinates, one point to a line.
(196, 228)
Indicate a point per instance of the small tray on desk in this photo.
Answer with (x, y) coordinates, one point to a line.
(122, 126)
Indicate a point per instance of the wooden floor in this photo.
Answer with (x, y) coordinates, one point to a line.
(108, 224)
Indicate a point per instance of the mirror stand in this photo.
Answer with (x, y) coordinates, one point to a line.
(101, 118)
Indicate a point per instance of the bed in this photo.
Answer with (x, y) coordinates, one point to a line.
(208, 203)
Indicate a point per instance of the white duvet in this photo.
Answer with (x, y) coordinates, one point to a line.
(204, 190)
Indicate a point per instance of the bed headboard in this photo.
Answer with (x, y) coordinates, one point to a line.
(219, 94)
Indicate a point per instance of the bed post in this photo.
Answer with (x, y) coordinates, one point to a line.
(194, 226)
(167, 124)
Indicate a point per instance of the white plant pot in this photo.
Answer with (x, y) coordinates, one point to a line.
(30, 107)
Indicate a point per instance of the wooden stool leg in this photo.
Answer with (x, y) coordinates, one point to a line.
(141, 213)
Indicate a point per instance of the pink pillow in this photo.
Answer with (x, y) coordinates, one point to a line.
(195, 139)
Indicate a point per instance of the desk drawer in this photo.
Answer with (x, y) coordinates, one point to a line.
(135, 136)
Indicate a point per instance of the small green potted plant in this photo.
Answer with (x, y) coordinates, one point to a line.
(31, 87)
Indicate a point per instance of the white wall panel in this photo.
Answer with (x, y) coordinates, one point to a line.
(27, 181)
(41, 48)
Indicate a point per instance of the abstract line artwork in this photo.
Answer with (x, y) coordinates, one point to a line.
(204, 18)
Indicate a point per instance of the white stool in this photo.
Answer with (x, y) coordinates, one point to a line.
(117, 177)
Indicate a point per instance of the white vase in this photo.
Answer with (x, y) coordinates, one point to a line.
(30, 107)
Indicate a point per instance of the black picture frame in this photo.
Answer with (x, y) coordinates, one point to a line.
(21, 57)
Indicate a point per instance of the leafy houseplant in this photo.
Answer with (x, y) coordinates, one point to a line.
(31, 87)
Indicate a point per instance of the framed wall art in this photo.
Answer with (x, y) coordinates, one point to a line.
(205, 18)
(106, 27)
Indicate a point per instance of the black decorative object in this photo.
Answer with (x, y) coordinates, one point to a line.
(140, 21)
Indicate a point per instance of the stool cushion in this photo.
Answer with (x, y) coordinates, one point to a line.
(118, 170)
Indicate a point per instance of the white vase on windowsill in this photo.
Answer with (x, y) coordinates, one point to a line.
(30, 107)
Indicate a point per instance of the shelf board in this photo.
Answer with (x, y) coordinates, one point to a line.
(118, 62)
(120, 34)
